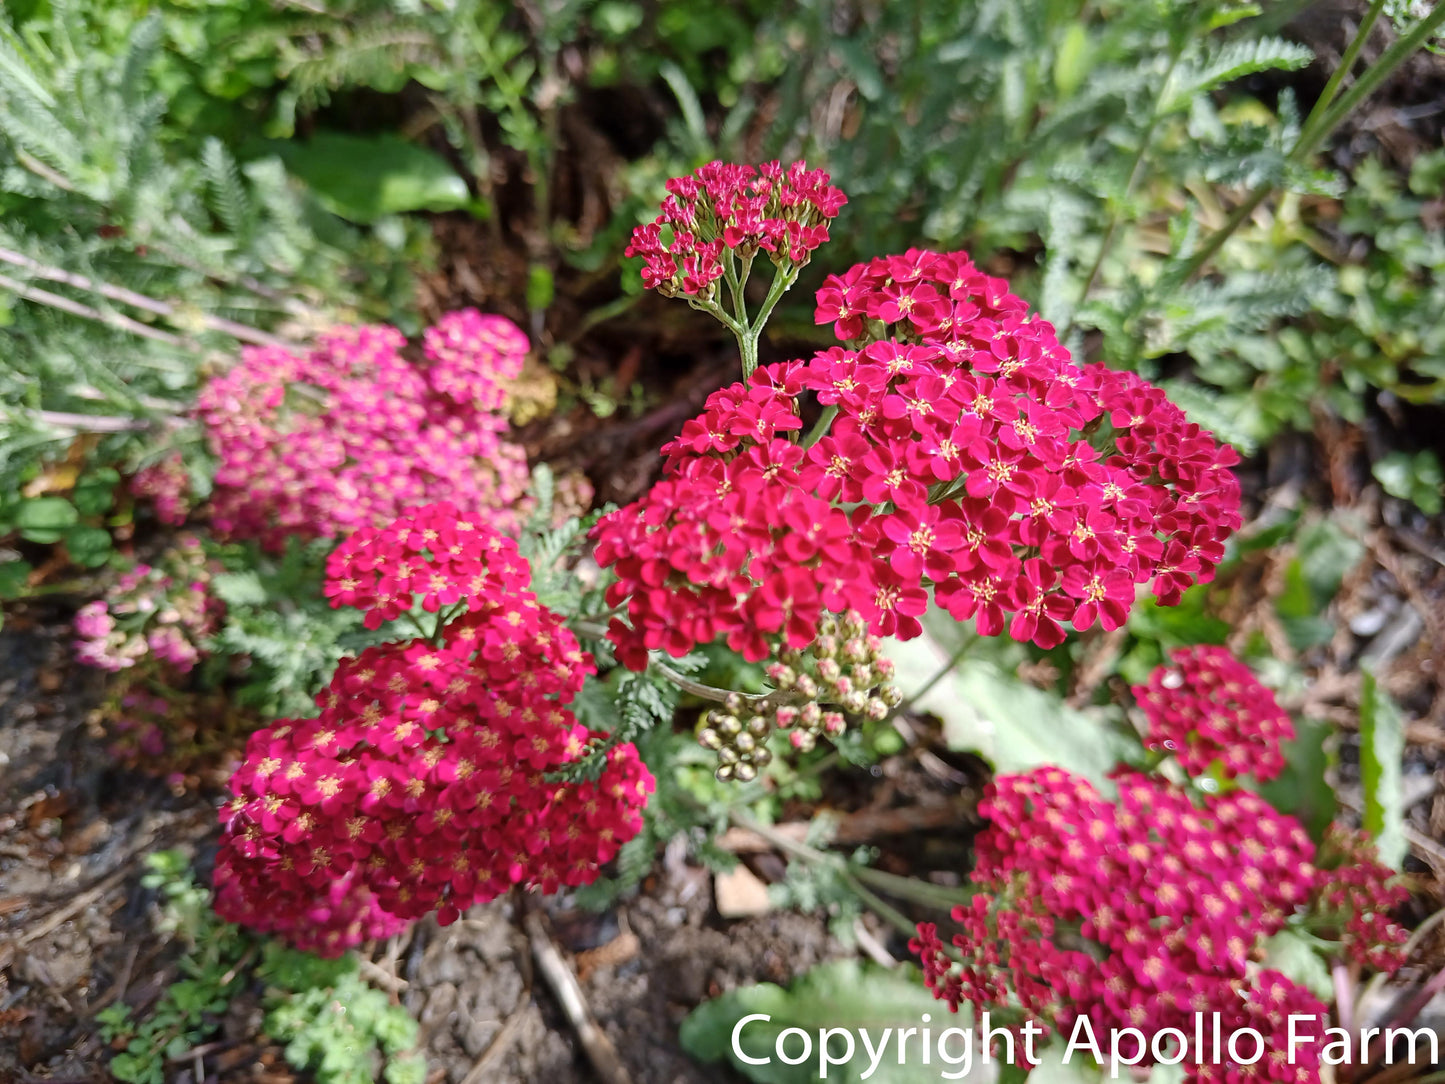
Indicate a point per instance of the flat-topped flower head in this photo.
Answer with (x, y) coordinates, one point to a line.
(970, 459)
(1140, 912)
(1208, 707)
(349, 433)
(737, 209)
(424, 778)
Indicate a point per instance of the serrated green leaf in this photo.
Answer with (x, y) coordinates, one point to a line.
(844, 994)
(1382, 751)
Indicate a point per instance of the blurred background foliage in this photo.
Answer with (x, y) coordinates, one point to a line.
(181, 177)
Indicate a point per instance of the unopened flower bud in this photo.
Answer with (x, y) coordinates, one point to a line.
(855, 650)
(810, 715)
(781, 675)
(855, 702)
(890, 695)
(709, 738)
(825, 647)
(802, 741)
(745, 742)
(875, 709)
(725, 771)
(834, 724)
(745, 773)
(806, 686)
(734, 704)
(786, 716)
(759, 725)
(829, 670)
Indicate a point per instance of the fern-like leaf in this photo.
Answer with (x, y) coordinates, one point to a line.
(1231, 61)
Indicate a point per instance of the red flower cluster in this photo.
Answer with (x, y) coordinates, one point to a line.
(1357, 895)
(1136, 913)
(734, 207)
(424, 778)
(350, 433)
(975, 457)
(341, 915)
(167, 486)
(1210, 707)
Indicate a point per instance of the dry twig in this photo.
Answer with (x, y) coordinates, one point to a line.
(563, 984)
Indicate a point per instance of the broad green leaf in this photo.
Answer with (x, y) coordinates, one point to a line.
(1302, 789)
(1324, 553)
(1382, 751)
(44, 519)
(1080, 1069)
(364, 178)
(95, 491)
(988, 711)
(1072, 61)
(88, 547)
(1292, 956)
(14, 577)
(844, 994)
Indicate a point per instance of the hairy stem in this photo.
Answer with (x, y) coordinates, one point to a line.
(140, 301)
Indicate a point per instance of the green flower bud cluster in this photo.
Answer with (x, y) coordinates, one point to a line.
(842, 672)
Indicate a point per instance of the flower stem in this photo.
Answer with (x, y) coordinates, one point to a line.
(1116, 215)
(1316, 131)
(820, 430)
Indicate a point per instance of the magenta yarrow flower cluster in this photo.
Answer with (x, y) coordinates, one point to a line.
(1145, 911)
(167, 486)
(1356, 897)
(158, 614)
(968, 457)
(424, 779)
(722, 210)
(350, 433)
(1138, 913)
(1209, 707)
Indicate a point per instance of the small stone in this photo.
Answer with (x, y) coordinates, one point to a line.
(740, 894)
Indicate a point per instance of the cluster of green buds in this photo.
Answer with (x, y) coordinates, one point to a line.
(842, 672)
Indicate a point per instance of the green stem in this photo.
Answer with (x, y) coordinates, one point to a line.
(907, 888)
(1370, 79)
(748, 339)
(1346, 65)
(953, 660)
(884, 910)
(1117, 214)
(820, 430)
(1313, 135)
